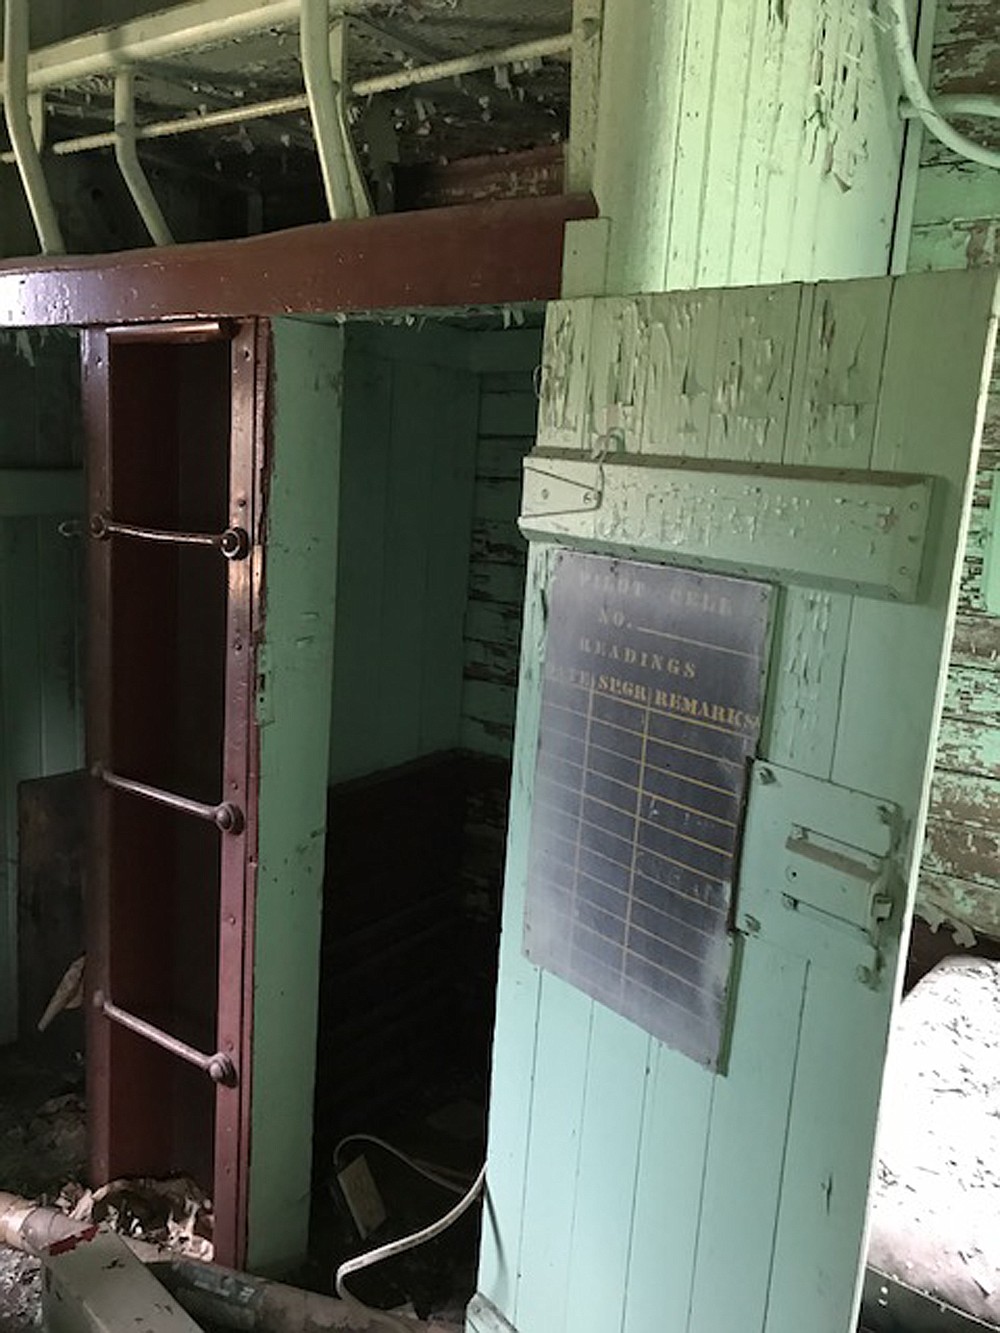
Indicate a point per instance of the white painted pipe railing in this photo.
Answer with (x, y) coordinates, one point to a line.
(15, 102)
(920, 101)
(321, 94)
(283, 106)
(128, 161)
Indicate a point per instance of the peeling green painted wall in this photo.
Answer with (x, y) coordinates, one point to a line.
(956, 224)
(41, 715)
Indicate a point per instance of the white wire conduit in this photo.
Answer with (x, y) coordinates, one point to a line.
(128, 161)
(920, 102)
(16, 42)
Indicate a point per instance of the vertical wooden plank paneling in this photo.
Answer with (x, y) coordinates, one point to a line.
(404, 590)
(559, 1097)
(450, 452)
(753, 374)
(293, 716)
(59, 629)
(679, 392)
(564, 398)
(406, 501)
(729, 126)
(827, 1164)
(884, 733)
(610, 1142)
(746, 1145)
(498, 551)
(515, 1053)
(695, 128)
(666, 1210)
(831, 423)
(364, 485)
(884, 730)
(40, 707)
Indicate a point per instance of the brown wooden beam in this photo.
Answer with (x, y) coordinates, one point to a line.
(509, 251)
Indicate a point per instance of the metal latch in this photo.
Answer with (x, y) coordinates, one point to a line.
(839, 880)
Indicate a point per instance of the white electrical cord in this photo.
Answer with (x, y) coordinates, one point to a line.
(405, 1243)
(421, 1169)
(920, 100)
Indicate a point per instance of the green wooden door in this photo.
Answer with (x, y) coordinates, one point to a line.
(820, 440)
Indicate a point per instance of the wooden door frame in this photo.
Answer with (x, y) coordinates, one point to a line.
(508, 252)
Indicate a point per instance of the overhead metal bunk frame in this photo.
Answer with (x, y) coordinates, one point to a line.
(118, 52)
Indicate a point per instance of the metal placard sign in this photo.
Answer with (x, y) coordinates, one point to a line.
(651, 707)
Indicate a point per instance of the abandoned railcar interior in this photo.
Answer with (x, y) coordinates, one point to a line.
(499, 650)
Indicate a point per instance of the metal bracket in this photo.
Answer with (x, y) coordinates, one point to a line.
(548, 492)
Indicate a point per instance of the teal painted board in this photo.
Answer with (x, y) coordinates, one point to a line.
(293, 712)
(610, 1139)
(711, 174)
(752, 1253)
(515, 1042)
(666, 1209)
(554, 1165)
(745, 1147)
(843, 1036)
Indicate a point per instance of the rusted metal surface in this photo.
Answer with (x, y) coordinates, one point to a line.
(170, 700)
(530, 174)
(485, 253)
(249, 456)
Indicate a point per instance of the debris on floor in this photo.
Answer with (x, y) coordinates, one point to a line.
(175, 1214)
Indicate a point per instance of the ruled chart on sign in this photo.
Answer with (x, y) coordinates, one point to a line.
(651, 704)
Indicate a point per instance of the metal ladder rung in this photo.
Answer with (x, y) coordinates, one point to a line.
(218, 1066)
(226, 816)
(233, 543)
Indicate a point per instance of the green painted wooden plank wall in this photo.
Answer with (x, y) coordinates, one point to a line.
(293, 713)
(507, 419)
(41, 721)
(407, 479)
(956, 224)
(436, 422)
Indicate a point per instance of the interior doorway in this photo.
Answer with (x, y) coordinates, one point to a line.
(437, 418)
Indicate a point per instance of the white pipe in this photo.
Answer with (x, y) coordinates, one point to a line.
(448, 69)
(958, 104)
(282, 106)
(322, 92)
(128, 161)
(338, 65)
(16, 43)
(920, 100)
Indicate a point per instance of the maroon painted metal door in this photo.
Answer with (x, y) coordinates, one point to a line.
(174, 417)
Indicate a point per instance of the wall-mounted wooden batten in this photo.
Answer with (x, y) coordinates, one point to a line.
(859, 532)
